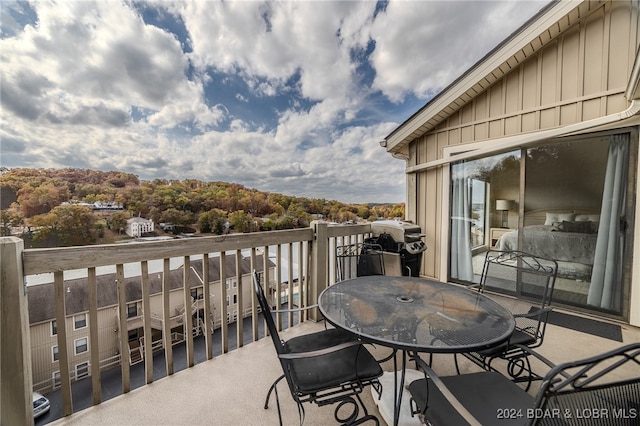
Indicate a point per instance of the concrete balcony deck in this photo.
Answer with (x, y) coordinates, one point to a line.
(230, 389)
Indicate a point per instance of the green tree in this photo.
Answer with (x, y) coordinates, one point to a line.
(71, 225)
(241, 221)
(118, 221)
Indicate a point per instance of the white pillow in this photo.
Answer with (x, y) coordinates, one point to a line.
(552, 218)
(587, 218)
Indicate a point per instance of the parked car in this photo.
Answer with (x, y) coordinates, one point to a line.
(40, 405)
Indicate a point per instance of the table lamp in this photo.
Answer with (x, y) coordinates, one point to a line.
(504, 206)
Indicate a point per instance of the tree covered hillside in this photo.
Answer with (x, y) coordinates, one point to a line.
(50, 199)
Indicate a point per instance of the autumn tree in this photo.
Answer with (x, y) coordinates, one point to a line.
(118, 221)
(42, 198)
(71, 225)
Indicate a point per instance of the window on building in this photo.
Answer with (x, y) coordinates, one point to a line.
(227, 300)
(197, 293)
(81, 345)
(132, 310)
(235, 299)
(54, 351)
(82, 370)
(79, 321)
(55, 378)
(54, 328)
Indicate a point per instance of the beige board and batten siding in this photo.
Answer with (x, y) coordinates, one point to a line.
(574, 70)
(42, 343)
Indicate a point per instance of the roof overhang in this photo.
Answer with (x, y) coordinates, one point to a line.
(541, 29)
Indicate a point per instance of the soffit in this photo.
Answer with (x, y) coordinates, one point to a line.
(543, 28)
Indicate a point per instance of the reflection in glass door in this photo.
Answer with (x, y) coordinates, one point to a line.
(479, 214)
(475, 187)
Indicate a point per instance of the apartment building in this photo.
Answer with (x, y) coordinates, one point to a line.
(238, 299)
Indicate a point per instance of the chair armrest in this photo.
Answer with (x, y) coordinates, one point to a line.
(451, 398)
(320, 352)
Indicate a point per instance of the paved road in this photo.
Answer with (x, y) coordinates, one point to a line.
(112, 380)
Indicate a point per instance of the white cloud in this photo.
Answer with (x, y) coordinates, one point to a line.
(92, 85)
(442, 40)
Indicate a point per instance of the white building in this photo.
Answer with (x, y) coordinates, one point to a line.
(137, 226)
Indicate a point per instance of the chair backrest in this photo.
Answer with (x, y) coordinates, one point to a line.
(604, 389)
(529, 279)
(359, 260)
(267, 314)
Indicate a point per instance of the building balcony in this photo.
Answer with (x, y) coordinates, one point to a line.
(217, 373)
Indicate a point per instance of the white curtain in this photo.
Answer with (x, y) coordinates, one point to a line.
(461, 257)
(606, 279)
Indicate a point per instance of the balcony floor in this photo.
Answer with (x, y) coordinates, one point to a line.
(230, 389)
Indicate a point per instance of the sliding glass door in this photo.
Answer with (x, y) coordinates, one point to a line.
(565, 201)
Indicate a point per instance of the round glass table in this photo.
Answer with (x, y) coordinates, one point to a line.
(416, 314)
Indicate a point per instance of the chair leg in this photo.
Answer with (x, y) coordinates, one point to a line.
(518, 365)
(353, 418)
(455, 361)
(271, 389)
(274, 388)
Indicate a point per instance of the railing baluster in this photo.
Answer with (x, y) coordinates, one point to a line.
(206, 293)
(122, 328)
(146, 321)
(278, 287)
(302, 282)
(166, 316)
(63, 353)
(224, 322)
(187, 321)
(94, 338)
(254, 304)
(240, 303)
(291, 284)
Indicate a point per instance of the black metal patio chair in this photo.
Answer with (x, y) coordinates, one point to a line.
(326, 367)
(528, 282)
(359, 260)
(600, 390)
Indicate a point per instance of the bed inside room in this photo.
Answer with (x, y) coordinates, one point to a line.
(569, 237)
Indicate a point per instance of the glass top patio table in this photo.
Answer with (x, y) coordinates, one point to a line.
(416, 314)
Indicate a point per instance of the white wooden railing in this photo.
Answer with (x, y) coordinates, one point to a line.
(314, 268)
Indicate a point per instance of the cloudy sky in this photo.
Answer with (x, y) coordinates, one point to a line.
(289, 97)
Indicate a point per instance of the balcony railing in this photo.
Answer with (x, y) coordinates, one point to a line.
(313, 247)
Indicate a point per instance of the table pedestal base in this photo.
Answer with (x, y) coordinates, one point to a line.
(385, 403)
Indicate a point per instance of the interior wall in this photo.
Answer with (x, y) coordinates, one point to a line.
(572, 175)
